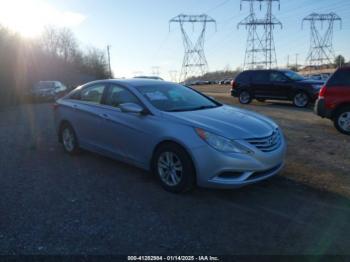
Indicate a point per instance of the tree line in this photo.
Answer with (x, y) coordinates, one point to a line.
(55, 55)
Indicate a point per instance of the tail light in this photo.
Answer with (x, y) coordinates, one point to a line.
(322, 92)
(233, 84)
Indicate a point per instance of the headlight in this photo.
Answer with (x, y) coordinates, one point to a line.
(221, 143)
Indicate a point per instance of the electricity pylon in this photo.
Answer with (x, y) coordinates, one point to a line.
(194, 62)
(260, 49)
(321, 43)
(155, 70)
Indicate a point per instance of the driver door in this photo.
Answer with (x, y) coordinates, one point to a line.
(127, 136)
(281, 85)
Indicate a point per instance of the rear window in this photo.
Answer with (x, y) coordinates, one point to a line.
(340, 78)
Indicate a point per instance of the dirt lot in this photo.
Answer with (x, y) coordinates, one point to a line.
(52, 203)
(318, 155)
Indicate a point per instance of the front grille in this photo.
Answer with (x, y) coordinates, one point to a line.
(267, 144)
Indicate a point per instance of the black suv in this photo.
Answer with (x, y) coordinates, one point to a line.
(275, 85)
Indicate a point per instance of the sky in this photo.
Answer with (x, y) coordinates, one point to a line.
(140, 38)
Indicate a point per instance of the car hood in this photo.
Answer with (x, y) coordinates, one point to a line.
(227, 121)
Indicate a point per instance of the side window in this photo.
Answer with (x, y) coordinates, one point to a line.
(277, 77)
(260, 77)
(92, 94)
(119, 95)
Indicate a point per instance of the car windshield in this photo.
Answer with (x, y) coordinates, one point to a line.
(293, 75)
(176, 98)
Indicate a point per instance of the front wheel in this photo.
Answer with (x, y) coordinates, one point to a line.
(245, 97)
(174, 168)
(301, 100)
(342, 120)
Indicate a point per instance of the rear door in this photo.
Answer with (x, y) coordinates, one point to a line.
(86, 116)
(261, 87)
(127, 136)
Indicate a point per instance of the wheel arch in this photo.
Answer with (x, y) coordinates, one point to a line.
(338, 108)
(177, 143)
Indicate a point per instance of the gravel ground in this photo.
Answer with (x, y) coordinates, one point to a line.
(52, 203)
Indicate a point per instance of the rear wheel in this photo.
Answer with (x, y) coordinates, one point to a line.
(245, 97)
(174, 168)
(301, 99)
(342, 120)
(69, 140)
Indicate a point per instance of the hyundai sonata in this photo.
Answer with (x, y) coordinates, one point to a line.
(184, 137)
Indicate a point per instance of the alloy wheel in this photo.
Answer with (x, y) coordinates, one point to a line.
(301, 100)
(344, 121)
(170, 168)
(244, 97)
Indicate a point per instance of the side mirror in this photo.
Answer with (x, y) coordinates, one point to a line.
(131, 108)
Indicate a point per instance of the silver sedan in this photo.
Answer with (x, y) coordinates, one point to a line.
(184, 137)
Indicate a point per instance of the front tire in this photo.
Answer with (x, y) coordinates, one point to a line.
(342, 120)
(69, 140)
(245, 97)
(174, 168)
(301, 100)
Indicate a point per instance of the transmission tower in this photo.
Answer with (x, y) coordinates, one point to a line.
(260, 49)
(321, 43)
(194, 62)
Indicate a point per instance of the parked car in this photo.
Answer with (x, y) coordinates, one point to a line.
(183, 136)
(150, 77)
(225, 81)
(334, 100)
(276, 85)
(48, 90)
(320, 77)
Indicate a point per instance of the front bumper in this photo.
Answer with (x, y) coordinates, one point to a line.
(220, 170)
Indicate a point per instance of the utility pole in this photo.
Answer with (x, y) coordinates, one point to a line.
(194, 62)
(109, 61)
(321, 43)
(288, 61)
(260, 50)
(296, 61)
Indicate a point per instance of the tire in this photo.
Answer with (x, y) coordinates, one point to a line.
(245, 97)
(69, 140)
(301, 99)
(261, 100)
(342, 120)
(174, 168)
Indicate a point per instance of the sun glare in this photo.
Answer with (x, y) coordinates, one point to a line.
(31, 16)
